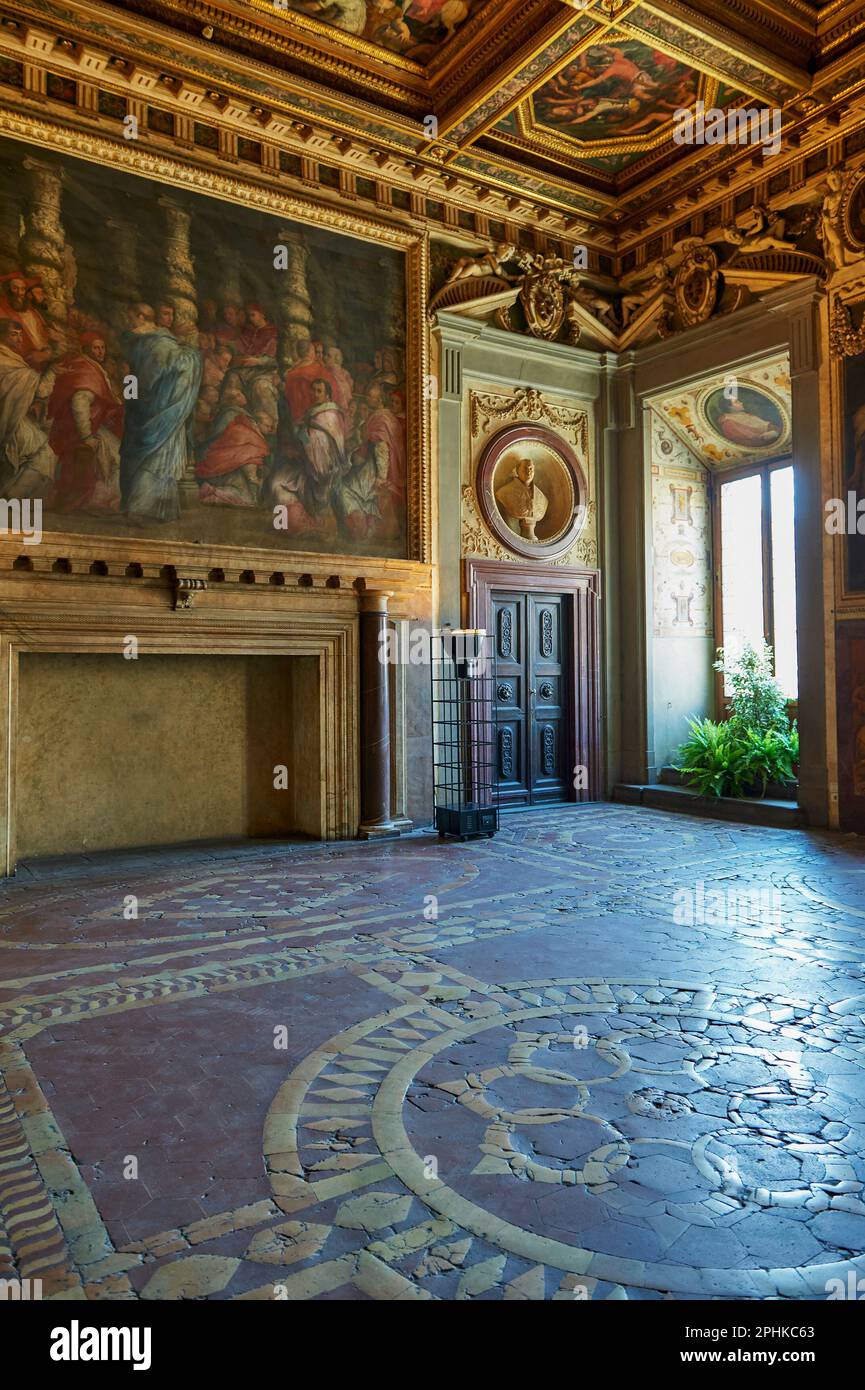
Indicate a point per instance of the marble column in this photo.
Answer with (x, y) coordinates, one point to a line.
(375, 750)
(228, 260)
(43, 245)
(123, 287)
(295, 307)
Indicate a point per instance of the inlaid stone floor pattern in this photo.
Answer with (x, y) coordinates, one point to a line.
(611, 1053)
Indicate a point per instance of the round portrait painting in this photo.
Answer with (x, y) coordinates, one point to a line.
(532, 491)
(746, 417)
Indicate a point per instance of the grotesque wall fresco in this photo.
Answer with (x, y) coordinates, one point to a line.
(615, 89)
(417, 28)
(682, 543)
(738, 416)
(180, 368)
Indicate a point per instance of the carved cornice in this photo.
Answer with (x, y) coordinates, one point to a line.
(363, 115)
(527, 404)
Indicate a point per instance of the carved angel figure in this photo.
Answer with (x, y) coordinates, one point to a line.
(490, 263)
(834, 250)
(646, 287)
(760, 229)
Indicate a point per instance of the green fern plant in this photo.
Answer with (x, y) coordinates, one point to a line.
(710, 759)
(727, 760)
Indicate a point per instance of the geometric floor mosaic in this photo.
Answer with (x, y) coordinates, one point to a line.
(609, 1054)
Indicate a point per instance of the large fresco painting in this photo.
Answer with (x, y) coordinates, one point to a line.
(854, 461)
(182, 368)
(622, 88)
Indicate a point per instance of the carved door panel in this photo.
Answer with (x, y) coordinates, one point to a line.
(548, 696)
(532, 697)
(509, 692)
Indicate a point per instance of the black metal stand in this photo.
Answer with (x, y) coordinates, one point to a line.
(466, 803)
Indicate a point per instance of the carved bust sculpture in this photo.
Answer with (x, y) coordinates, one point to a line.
(521, 499)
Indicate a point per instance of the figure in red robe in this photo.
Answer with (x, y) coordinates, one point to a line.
(257, 340)
(87, 425)
(232, 455)
(18, 301)
(298, 379)
(386, 434)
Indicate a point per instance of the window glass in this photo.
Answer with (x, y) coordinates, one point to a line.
(742, 564)
(784, 580)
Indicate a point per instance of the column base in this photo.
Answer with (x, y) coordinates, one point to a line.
(385, 830)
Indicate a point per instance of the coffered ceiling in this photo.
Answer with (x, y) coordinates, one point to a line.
(568, 107)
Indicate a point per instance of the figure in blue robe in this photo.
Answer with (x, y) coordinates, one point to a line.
(156, 445)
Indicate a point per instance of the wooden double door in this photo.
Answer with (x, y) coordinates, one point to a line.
(534, 700)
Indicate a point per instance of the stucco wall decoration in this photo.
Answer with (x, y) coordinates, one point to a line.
(179, 368)
(681, 530)
(728, 420)
(528, 488)
(532, 491)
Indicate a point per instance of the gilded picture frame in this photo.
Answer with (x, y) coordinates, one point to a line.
(260, 192)
(536, 512)
(846, 359)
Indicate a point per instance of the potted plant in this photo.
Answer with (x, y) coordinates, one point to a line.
(753, 751)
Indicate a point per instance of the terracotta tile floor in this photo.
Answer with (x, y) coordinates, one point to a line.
(612, 1053)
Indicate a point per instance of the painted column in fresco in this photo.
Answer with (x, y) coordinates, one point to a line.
(124, 287)
(295, 308)
(43, 246)
(394, 297)
(179, 288)
(228, 274)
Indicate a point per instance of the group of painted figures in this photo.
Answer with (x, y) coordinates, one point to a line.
(100, 423)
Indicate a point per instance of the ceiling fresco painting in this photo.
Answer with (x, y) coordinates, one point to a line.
(416, 29)
(619, 88)
(724, 421)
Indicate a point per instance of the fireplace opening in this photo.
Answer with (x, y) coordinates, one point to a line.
(165, 749)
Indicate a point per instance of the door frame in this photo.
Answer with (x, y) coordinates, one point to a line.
(482, 577)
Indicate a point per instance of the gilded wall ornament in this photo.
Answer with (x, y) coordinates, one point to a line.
(477, 278)
(696, 286)
(841, 228)
(845, 340)
(530, 405)
(543, 302)
(532, 491)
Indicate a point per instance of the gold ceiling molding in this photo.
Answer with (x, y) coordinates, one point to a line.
(284, 45)
(702, 26)
(337, 145)
(496, 176)
(507, 73)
